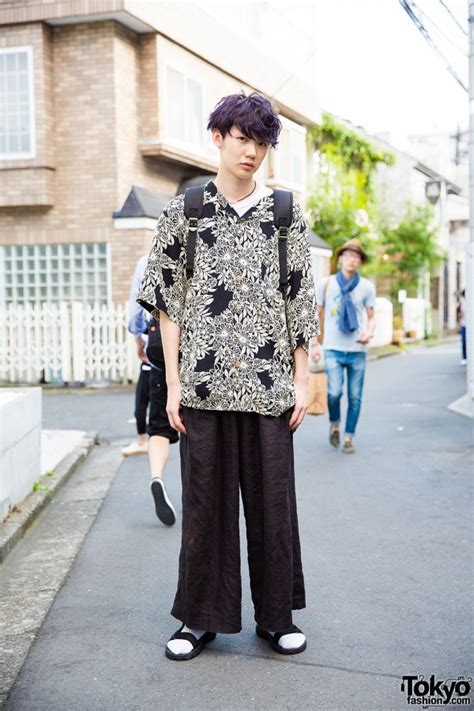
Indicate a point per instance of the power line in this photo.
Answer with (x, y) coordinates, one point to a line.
(442, 33)
(448, 9)
(408, 7)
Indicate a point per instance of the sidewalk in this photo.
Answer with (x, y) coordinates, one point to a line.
(386, 540)
(62, 451)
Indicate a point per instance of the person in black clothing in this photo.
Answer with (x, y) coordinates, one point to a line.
(160, 433)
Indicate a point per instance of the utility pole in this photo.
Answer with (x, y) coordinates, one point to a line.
(470, 247)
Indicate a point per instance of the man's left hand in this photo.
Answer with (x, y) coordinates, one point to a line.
(365, 337)
(299, 410)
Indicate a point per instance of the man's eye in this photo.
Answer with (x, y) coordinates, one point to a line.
(262, 144)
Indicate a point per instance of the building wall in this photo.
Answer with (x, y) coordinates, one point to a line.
(87, 140)
(31, 181)
(398, 185)
(100, 95)
(265, 44)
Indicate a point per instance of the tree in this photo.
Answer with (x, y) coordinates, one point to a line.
(343, 204)
(408, 250)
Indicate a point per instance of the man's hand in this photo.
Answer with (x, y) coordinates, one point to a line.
(141, 352)
(172, 407)
(365, 337)
(299, 411)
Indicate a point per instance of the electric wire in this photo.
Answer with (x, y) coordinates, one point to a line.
(425, 16)
(409, 9)
(448, 9)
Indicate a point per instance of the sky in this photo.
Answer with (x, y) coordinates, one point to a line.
(377, 70)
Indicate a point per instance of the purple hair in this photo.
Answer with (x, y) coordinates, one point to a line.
(253, 115)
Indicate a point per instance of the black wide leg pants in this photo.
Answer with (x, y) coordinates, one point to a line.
(221, 451)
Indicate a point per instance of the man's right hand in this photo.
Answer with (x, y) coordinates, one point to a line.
(173, 405)
(141, 350)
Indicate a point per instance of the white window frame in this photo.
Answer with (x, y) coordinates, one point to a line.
(22, 155)
(188, 145)
(288, 181)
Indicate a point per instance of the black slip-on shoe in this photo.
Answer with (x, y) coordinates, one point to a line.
(334, 438)
(163, 506)
(274, 637)
(198, 644)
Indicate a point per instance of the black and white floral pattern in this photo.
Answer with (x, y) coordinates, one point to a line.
(237, 333)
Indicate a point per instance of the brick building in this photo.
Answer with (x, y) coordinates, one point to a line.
(102, 112)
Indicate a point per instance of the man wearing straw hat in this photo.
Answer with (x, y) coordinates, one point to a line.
(342, 300)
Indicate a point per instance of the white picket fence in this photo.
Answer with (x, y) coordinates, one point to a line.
(75, 342)
(66, 342)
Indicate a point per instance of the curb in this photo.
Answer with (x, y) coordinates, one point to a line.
(17, 523)
(421, 343)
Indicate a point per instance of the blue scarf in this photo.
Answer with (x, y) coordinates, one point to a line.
(347, 322)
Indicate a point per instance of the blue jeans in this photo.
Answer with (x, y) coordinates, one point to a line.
(354, 363)
(463, 342)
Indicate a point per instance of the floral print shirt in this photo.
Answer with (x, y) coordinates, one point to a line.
(238, 331)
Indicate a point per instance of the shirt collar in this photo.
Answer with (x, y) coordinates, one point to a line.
(222, 200)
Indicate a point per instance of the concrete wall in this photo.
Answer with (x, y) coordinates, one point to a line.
(383, 323)
(20, 444)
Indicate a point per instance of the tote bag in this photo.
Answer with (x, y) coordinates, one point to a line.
(317, 394)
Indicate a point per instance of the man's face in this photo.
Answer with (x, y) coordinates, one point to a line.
(350, 261)
(241, 156)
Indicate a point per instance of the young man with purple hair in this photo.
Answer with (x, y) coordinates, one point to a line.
(235, 348)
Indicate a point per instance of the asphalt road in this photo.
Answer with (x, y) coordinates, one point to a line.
(387, 552)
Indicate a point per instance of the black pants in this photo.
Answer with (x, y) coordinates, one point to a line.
(142, 398)
(221, 451)
(158, 423)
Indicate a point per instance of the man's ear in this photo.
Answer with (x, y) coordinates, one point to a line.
(217, 137)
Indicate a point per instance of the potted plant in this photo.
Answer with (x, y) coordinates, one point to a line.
(398, 332)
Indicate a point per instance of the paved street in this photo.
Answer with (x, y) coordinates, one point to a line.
(387, 544)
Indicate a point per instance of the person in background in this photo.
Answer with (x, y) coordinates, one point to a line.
(160, 432)
(142, 392)
(461, 313)
(342, 299)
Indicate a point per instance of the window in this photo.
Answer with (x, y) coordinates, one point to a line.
(184, 109)
(291, 155)
(17, 139)
(54, 272)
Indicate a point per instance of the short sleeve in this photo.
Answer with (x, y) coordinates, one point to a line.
(320, 296)
(163, 287)
(302, 316)
(369, 301)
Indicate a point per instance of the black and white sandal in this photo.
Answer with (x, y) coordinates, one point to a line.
(198, 644)
(274, 637)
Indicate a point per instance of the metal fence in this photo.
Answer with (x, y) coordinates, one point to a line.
(66, 342)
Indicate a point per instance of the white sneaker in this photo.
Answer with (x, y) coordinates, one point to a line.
(134, 449)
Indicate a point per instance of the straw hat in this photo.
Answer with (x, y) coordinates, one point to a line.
(354, 245)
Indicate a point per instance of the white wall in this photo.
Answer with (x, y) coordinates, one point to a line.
(20, 444)
(267, 45)
(383, 323)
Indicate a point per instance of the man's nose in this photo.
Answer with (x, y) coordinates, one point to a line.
(251, 150)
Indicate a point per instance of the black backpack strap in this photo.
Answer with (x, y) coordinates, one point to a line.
(193, 207)
(282, 215)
